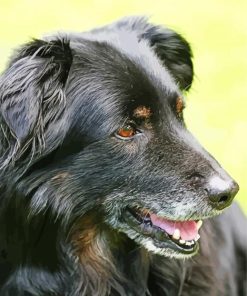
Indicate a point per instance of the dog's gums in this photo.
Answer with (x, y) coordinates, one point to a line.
(180, 236)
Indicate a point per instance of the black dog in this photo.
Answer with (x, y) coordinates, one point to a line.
(103, 189)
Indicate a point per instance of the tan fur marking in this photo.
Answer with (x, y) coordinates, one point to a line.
(142, 112)
(86, 240)
(179, 105)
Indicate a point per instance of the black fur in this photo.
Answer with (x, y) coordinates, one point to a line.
(67, 179)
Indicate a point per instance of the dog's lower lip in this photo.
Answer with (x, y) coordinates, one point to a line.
(142, 222)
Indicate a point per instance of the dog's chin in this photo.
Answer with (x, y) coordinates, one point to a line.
(158, 235)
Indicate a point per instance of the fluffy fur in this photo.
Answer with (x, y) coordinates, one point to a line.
(67, 177)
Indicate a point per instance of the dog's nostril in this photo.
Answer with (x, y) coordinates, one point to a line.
(223, 199)
(222, 196)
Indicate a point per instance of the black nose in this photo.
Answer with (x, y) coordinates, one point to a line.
(221, 193)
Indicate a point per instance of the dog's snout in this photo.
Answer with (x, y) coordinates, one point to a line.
(221, 192)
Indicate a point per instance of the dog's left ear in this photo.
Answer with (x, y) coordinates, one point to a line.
(32, 84)
(174, 52)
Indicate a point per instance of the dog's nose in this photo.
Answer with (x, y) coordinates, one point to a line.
(221, 192)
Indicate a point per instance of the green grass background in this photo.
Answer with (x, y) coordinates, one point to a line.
(217, 30)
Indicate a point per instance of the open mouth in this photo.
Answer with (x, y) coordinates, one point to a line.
(180, 236)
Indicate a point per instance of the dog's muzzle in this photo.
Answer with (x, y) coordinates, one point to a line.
(181, 236)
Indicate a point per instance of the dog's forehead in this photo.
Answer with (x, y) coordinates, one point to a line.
(138, 51)
(119, 56)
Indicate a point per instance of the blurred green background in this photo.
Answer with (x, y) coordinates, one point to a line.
(217, 30)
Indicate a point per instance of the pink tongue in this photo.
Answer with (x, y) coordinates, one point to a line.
(188, 229)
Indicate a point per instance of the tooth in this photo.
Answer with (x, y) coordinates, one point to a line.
(181, 241)
(199, 224)
(197, 237)
(189, 243)
(176, 234)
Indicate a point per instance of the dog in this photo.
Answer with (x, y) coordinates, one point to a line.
(103, 189)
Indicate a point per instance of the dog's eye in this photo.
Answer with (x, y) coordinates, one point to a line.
(126, 132)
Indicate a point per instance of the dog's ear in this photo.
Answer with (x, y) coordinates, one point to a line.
(171, 48)
(33, 81)
(174, 52)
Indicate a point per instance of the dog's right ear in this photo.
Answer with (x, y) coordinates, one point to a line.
(33, 81)
(174, 52)
(171, 48)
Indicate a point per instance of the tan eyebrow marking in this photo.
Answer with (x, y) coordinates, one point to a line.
(179, 105)
(142, 112)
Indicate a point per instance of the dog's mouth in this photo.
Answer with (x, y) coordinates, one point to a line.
(180, 236)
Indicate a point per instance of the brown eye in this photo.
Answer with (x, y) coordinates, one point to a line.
(179, 106)
(127, 131)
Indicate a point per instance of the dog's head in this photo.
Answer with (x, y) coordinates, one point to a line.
(93, 122)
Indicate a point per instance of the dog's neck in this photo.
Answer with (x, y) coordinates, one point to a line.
(109, 260)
